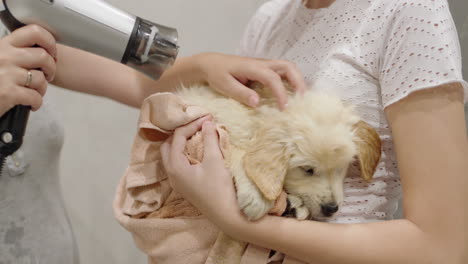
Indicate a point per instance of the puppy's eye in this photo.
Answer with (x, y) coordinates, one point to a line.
(309, 170)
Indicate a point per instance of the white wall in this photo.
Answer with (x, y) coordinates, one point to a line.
(99, 132)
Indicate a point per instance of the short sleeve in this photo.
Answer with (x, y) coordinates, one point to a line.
(250, 44)
(421, 50)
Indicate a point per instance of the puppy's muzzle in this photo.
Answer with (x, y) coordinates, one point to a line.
(329, 209)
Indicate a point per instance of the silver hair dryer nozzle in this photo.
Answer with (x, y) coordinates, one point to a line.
(152, 48)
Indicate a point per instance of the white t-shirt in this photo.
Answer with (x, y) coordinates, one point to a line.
(372, 53)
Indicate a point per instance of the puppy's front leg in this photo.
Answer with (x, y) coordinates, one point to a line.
(296, 208)
(250, 199)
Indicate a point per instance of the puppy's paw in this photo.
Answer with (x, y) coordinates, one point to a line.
(253, 204)
(296, 208)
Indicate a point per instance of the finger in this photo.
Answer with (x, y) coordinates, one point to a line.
(172, 161)
(238, 91)
(181, 135)
(289, 71)
(38, 80)
(28, 97)
(38, 58)
(31, 35)
(272, 80)
(211, 142)
(169, 139)
(165, 154)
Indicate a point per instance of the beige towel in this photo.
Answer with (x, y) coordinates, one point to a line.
(165, 226)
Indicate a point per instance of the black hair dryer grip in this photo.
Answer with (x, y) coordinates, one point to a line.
(12, 128)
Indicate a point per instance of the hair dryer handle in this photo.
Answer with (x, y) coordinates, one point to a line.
(12, 129)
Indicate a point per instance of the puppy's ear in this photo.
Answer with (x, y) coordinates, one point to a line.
(266, 163)
(369, 149)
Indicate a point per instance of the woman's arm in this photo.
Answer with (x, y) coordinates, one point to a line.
(85, 72)
(431, 143)
(88, 73)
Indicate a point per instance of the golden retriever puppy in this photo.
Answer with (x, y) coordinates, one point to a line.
(305, 150)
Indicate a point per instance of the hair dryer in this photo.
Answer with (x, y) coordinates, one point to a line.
(98, 27)
(94, 26)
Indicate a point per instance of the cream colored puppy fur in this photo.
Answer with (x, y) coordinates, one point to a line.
(305, 149)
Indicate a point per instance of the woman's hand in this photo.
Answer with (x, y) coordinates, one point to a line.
(28, 49)
(208, 185)
(229, 75)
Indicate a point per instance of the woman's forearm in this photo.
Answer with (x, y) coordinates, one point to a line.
(392, 242)
(88, 73)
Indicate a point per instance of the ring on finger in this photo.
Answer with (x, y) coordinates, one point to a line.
(28, 79)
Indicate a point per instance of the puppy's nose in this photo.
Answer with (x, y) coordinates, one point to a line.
(329, 209)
